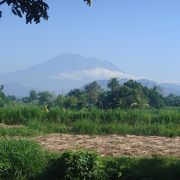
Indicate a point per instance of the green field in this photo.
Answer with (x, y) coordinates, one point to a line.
(24, 159)
(160, 122)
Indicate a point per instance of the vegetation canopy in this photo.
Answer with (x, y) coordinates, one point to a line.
(34, 10)
(25, 160)
(129, 95)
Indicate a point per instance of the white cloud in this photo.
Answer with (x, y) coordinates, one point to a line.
(95, 74)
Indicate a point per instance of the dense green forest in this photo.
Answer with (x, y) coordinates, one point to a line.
(129, 95)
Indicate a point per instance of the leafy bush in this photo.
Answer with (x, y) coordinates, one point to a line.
(155, 168)
(75, 166)
(88, 166)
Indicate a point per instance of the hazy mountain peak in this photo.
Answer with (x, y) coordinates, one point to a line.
(74, 62)
(68, 71)
(63, 72)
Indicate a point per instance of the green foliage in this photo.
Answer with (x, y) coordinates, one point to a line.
(74, 166)
(34, 10)
(3, 98)
(33, 96)
(36, 127)
(164, 122)
(87, 166)
(172, 100)
(45, 97)
(20, 114)
(89, 2)
(129, 95)
(20, 159)
(92, 92)
(155, 168)
(86, 127)
(113, 84)
(80, 165)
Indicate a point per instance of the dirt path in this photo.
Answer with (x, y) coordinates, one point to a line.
(113, 145)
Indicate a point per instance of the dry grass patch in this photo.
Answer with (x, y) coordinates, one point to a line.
(113, 145)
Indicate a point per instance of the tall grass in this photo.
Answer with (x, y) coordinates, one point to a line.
(95, 128)
(36, 127)
(21, 159)
(161, 122)
(21, 115)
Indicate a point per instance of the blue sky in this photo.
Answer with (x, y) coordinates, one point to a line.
(141, 37)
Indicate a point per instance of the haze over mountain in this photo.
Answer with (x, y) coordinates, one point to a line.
(64, 72)
(69, 71)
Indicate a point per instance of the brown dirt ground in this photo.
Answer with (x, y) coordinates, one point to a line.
(113, 145)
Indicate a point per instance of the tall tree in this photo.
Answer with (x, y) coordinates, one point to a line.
(33, 96)
(45, 97)
(92, 92)
(155, 98)
(3, 98)
(113, 84)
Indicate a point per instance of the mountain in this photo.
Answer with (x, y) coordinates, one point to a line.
(170, 88)
(62, 73)
(17, 89)
(68, 71)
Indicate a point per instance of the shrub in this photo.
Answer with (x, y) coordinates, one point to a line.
(75, 166)
(155, 168)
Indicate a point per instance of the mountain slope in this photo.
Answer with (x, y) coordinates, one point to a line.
(64, 72)
(68, 71)
(17, 89)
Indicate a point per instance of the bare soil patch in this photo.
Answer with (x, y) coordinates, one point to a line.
(113, 145)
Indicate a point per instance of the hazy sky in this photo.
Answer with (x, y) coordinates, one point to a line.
(141, 37)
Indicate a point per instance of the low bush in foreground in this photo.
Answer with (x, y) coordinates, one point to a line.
(74, 166)
(25, 160)
(88, 166)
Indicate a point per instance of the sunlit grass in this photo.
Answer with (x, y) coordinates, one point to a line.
(34, 121)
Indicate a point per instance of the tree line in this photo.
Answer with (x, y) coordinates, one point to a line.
(128, 95)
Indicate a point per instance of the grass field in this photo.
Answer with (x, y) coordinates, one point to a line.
(21, 115)
(25, 159)
(163, 122)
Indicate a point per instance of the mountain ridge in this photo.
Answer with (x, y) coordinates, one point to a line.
(68, 71)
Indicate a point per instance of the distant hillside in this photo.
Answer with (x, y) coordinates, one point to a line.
(16, 89)
(70, 71)
(64, 72)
